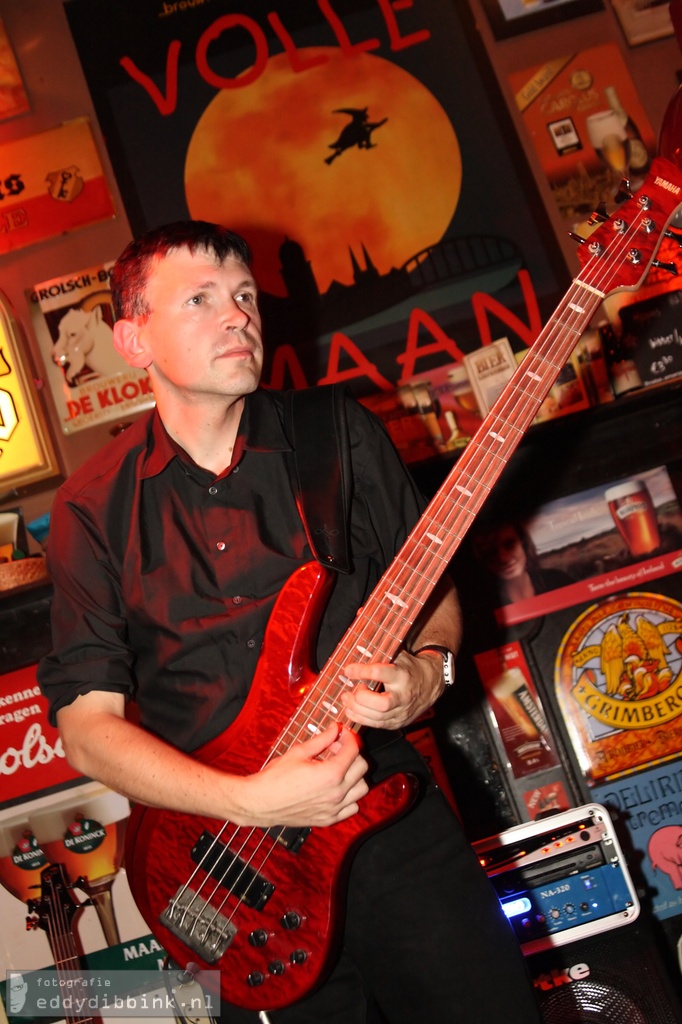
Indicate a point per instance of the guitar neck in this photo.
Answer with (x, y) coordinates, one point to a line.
(618, 253)
(395, 604)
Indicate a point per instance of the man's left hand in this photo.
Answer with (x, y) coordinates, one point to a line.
(408, 687)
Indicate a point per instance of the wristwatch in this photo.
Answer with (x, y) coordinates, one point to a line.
(448, 661)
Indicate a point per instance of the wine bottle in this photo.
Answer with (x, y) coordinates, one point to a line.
(670, 138)
(639, 160)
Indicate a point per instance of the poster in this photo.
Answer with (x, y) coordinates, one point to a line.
(90, 383)
(13, 98)
(582, 547)
(648, 808)
(585, 120)
(391, 224)
(617, 683)
(517, 713)
(56, 184)
(31, 754)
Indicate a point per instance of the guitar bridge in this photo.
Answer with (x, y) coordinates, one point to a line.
(199, 925)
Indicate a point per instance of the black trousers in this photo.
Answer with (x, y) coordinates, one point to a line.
(425, 940)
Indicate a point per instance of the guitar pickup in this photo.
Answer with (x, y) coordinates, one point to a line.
(231, 871)
(290, 837)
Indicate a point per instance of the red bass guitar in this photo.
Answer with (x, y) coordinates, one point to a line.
(266, 906)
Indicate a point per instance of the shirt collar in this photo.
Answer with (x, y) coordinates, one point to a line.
(260, 427)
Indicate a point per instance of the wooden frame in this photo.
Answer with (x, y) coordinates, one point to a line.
(28, 455)
(512, 17)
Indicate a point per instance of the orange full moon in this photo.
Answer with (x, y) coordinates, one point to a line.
(256, 163)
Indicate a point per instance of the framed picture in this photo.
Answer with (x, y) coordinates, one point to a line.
(643, 20)
(511, 17)
(27, 454)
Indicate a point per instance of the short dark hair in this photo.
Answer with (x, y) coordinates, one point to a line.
(131, 270)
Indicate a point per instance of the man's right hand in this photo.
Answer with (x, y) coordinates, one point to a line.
(315, 783)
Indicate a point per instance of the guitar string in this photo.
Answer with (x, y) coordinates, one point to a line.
(62, 942)
(503, 418)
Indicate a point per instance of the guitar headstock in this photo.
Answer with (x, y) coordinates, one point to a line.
(622, 249)
(56, 907)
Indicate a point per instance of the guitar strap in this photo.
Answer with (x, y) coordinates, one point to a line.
(316, 425)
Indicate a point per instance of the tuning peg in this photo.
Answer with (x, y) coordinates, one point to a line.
(32, 923)
(599, 215)
(576, 237)
(670, 267)
(676, 236)
(624, 191)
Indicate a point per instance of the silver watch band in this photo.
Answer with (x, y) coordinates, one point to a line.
(448, 661)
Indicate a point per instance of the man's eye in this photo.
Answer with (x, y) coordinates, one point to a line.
(245, 297)
(196, 300)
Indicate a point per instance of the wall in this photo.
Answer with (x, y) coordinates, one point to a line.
(652, 65)
(57, 91)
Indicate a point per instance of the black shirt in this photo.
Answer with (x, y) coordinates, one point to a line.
(165, 575)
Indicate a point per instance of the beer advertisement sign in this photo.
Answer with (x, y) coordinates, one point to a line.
(516, 710)
(618, 683)
(56, 184)
(649, 809)
(90, 382)
(31, 755)
(622, 534)
(65, 898)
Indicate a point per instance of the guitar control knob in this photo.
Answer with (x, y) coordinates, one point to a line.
(255, 979)
(299, 956)
(276, 967)
(291, 921)
(258, 937)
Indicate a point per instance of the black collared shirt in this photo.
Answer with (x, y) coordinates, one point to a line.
(165, 575)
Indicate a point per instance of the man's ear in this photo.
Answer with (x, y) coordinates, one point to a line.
(129, 343)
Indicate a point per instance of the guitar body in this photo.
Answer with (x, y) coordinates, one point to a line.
(282, 947)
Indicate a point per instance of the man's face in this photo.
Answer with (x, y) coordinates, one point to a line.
(17, 993)
(203, 335)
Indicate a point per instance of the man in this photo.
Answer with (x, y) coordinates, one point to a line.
(167, 553)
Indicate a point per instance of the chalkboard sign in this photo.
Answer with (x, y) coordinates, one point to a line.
(652, 333)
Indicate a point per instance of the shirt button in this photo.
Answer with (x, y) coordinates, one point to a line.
(236, 600)
(221, 545)
(250, 643)
(213, 490)
(236, 469)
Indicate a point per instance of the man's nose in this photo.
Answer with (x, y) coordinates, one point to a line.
(235, 318)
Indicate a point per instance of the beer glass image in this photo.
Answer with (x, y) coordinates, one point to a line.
(85, 832)
(511, 690)
(634, 514)
(607, 134)
(21, 858)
